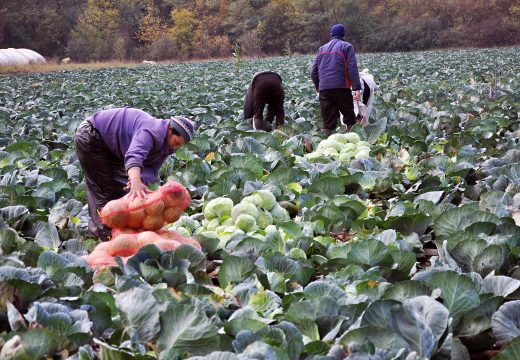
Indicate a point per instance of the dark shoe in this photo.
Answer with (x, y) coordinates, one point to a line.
(327, 132)
(103, 234)
(349, 127)
(278, 124)
(259, 124)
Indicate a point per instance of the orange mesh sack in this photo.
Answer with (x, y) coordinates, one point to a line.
(161, 207)
(100, 259)
(139, 222)
(123, 245)
(126, 245)
(174, 235)
(116, 231)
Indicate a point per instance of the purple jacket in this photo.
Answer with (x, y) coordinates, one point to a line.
(136, 138)
(335, 66)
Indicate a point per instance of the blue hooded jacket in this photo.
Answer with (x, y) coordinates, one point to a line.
(335, 66)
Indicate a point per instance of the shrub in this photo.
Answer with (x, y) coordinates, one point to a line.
(164, 49)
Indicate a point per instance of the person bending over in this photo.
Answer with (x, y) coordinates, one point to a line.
(266, 89)
(121, 151)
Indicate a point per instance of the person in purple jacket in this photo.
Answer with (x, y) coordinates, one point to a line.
(121, 151)
(336, 77)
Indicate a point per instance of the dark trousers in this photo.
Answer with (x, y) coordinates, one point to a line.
(334, 101)
(104, 173)
(268, 90)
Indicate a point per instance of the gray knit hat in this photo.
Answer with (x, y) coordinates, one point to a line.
(184, 126)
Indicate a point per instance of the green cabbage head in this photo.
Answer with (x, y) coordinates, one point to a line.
(218, 208)
(245, 222)
(279, 214)
(188, 223)
(266, 199)
(212, 224)
(264, 219)
(244, 208)
(352, 137)
(255, 200)
(182, 230)
(270, 229)
(329, 144)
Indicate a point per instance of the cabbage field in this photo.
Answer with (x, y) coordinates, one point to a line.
(399, 243)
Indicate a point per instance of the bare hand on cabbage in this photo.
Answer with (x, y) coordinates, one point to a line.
(135, 184)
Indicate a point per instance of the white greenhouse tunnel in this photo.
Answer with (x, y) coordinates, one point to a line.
(20, 57)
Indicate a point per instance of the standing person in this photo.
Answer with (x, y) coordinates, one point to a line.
(121, 152)
(336, 77)
(363, 108)
(266, 88)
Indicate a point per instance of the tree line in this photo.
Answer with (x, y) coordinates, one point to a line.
(96, 30)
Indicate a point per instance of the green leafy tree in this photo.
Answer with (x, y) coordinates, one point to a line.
(314, 19)
(150, 27)
(252, 41)
(43, 26)
(91, 29)
(183, 31)
(130, 15)
(211, 42)
(165, 48)
(96, 32)
(280, 25)
(240, 18)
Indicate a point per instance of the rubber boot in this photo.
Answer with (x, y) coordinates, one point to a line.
(327, 132)
(280, 123)
(259, 124)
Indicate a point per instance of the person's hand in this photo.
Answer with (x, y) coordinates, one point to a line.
(137, 190)
(356, 95)
(135, 184)
(362, 120)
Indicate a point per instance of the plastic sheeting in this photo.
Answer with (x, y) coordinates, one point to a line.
(20, 57)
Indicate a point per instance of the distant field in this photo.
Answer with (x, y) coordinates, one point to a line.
(402, 245)
(54, 66)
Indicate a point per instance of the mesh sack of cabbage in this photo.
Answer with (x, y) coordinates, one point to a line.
(127, 242)
(160, 207)
(139, 222)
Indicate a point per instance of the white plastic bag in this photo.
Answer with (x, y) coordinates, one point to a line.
(361, 109)
(369, 80)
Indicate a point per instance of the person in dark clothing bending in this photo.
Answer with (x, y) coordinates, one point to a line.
(335, 75)
(121, 152)
(266, 89)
